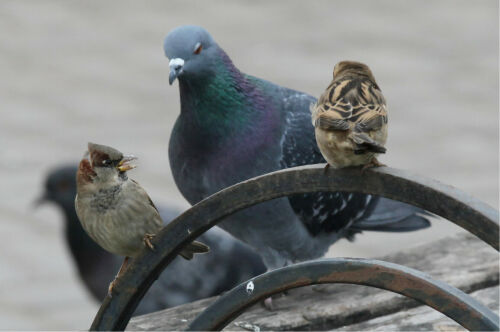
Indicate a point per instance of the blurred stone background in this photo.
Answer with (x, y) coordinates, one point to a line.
(77, 71)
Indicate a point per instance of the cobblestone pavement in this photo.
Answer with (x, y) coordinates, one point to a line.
(78, 71)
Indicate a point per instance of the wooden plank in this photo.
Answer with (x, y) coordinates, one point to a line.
(424, 318)
(460, 260)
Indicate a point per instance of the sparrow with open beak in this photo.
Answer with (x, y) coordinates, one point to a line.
(350, 118)
(116, 211)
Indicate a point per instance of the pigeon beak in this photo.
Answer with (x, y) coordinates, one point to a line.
(176, 66)
(40, 200)
(124, 164)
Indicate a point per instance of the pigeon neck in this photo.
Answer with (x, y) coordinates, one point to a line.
(218, 105)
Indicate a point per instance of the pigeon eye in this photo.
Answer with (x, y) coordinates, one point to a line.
(63, 186)
(197, 48)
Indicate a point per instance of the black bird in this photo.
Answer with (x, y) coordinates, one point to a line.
(228, 263)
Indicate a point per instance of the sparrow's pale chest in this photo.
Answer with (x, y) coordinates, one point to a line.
(105, 199)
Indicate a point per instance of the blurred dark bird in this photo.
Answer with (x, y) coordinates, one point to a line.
(229, 262)
(232, 127)
(116, 211)
(350, 118)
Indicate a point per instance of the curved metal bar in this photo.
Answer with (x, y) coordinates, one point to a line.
(450, 203)
(450, 301)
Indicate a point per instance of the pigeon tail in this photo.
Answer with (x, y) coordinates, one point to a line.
(194, 247)
(393, 216)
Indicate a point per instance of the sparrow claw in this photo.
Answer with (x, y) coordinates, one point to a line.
(327, 166)
(110, 287)
(373, 163)
(147, 241)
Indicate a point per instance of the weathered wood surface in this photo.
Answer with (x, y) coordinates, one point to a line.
(424, 318)
(461, 260)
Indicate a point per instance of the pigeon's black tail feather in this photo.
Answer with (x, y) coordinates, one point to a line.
(194, 247)
(393, 216)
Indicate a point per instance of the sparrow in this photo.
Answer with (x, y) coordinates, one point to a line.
(350, 118)
(115, 211)
(96, 267)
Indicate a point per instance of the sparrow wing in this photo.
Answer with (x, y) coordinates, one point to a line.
(146, 194)
(357, 104)
(330, 121)
(355, 100)
(369, 115)
(370, 112)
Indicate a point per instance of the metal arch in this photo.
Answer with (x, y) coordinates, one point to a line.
(445, 201)
(450, 301)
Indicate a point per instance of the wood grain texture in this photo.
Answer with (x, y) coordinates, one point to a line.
(424, 318)
(461, 260)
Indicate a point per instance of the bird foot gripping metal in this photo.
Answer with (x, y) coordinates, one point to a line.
(445, 201)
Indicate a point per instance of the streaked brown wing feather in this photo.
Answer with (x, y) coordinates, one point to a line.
(351, 100)
(149, 198)
(325, 122)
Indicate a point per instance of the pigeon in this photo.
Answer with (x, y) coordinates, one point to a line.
(228, 264)
(232, 127)
(350, 118)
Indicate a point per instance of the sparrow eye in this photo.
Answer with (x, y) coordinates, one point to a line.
(107, 162)
(197, 48)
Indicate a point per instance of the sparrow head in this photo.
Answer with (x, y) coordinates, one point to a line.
(104, 165)
(60, 187)
(352, 68)
(191, 51)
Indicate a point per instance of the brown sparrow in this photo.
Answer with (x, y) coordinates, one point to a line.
(116, 211)
(350, 118)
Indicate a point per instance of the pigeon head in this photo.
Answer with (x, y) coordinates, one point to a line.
(192, 53)
(60, 187)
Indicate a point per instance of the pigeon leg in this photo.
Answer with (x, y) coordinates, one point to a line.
(147, 241)
(120, 272)
(268, 303)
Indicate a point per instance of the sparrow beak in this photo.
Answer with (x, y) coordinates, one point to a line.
(124, 164)
(176, 66)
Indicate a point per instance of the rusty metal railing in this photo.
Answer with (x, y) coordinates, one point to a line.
(445, 201)
(396, 278)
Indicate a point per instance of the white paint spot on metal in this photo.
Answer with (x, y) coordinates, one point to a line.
(250, 287)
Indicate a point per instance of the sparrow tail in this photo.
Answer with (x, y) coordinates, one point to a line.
(365, 143)
(194, 247)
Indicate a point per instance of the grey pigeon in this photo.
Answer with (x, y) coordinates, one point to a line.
(232, 127)
(229, 262)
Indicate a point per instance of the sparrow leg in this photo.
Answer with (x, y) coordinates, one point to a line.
(120, 272)
(377, 163)
(327, 166)
(373, 163)
(147, 241)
